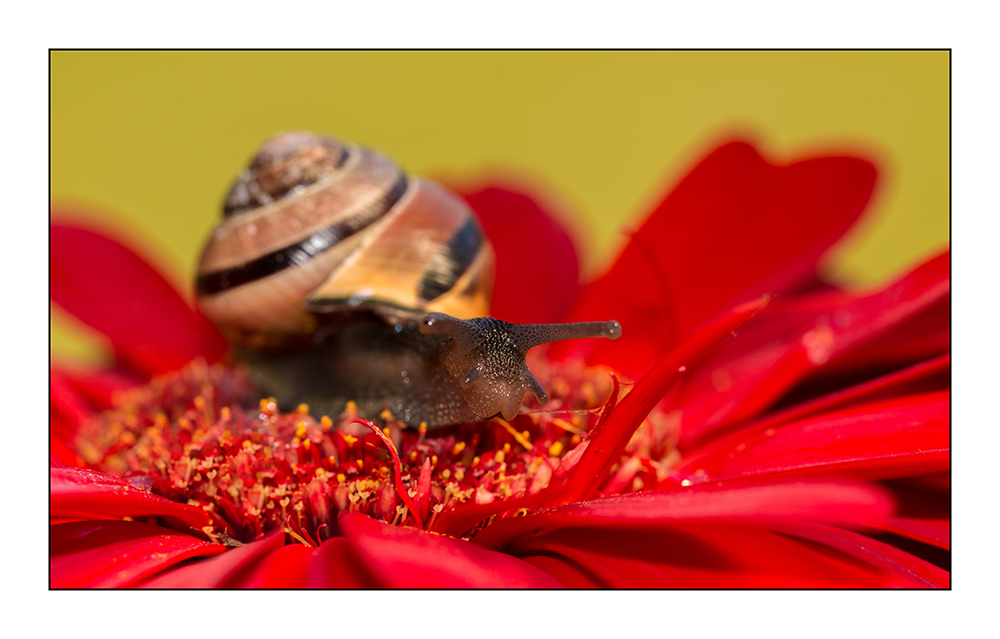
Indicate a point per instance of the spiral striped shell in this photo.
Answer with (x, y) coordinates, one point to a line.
(339, 278)
(315, 226)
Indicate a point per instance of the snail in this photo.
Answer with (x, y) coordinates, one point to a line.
(338, 277)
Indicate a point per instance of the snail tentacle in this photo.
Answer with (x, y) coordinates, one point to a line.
(487, 356)
(338, 277)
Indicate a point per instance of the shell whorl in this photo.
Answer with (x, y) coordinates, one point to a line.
(315, 225)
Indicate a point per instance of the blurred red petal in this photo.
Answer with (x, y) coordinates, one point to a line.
(700, 554)
(935, 484)
(67, 410)
(839, 503)
(332, 565)
(918, 572)
(907, 321)
(115, 554)
(227, 570)
(537, 273)
(936, 532)
(409, 558)
(911, 319)
(61, 454)
(801, 337)
(115, 291)
(98, 387)
(736, 227)
(924, 496)
(282, 568)
(883, 440)
(565, 572)
(82, 493)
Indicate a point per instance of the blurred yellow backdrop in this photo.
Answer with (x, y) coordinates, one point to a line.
(151, 140)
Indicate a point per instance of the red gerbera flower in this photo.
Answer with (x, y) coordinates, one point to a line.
(810, 448)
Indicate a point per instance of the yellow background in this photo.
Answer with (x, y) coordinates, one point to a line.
(151, 140)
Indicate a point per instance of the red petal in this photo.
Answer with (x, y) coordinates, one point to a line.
(115, 554)
(67, 409)
(61, 454)
(907, 321)
(839, 503)
(282, 568)
(923, 496)
(332, 565)
(114, 290)
(537, 273)
(228, 570)
(462, 518)
(99, 387)
(82, 493)
(700, 554)
(565, 572)
(73, 397)
(736, 227)
(800, 337)
(915, 570)
(936, 532)
(610, 439)
(931, 375)
(409, 558)
(884, 440)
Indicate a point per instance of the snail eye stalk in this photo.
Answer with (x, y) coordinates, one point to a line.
(487, 356)
(329, 258)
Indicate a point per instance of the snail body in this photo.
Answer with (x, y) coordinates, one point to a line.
(338, 277)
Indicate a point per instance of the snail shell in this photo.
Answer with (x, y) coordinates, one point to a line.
(337, 277)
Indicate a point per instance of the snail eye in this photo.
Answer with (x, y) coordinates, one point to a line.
(327, 250)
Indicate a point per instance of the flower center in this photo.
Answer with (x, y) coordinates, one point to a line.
(200, 436)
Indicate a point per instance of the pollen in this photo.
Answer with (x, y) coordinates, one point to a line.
(201, 436)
